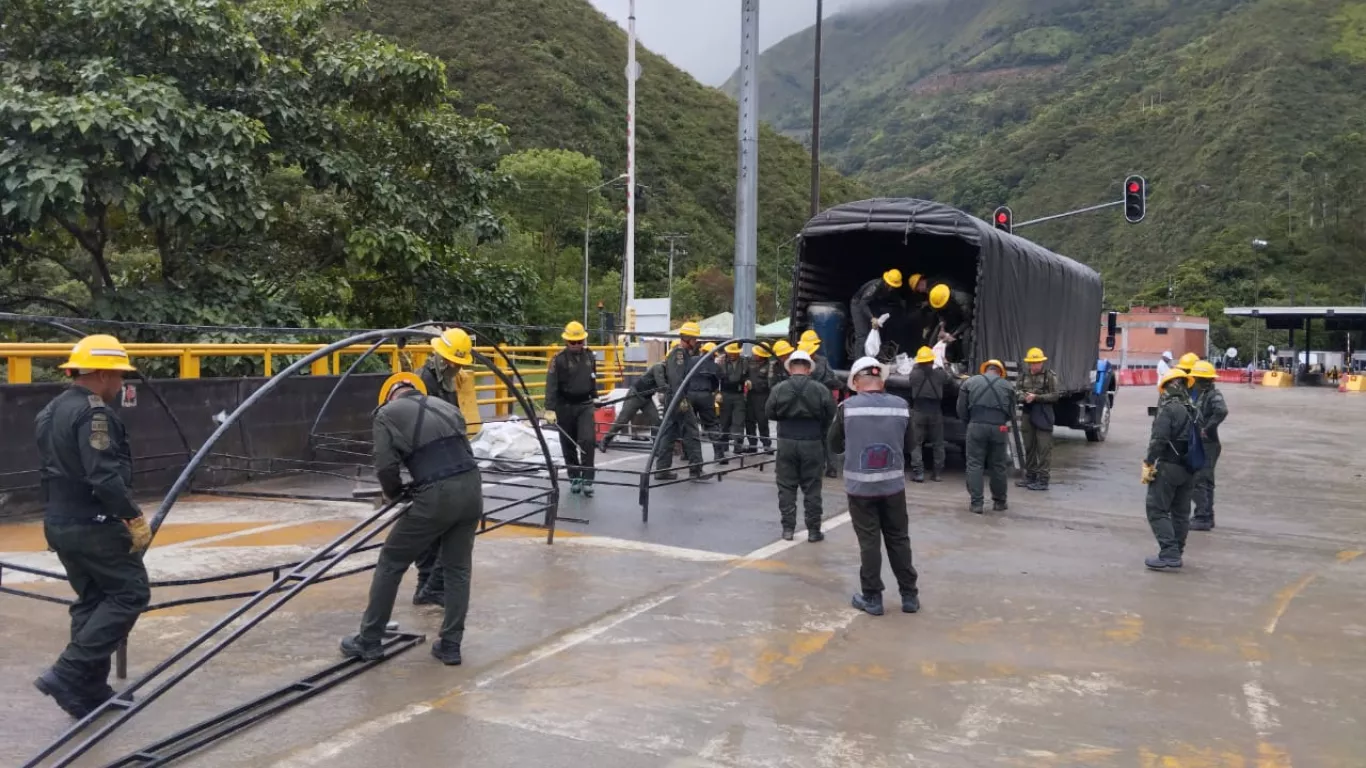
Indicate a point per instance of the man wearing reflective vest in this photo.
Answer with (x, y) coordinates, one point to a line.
(427, 436)
(91, 521)
(874, 432)
(986, 403)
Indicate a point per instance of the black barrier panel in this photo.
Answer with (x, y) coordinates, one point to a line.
(277, 427)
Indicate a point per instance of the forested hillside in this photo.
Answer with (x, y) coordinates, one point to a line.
(312, 162)
(1245, 116)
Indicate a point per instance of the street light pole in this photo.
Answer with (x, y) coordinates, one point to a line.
(1258, 246)
(816, 117)
(632, 74)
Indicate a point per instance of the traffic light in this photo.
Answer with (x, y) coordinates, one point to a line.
(1135, 199)
(1003, 219)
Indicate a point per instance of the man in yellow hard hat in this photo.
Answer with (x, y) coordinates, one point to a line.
(1037, 390)
(782, 352)
(986, 404)
(953, 315)
(442, 375)
(802, 408)
(927, 383)
(1166, 470)
(1188, 361)
(640, 399)
(1212, 410)
(810, 343)
(877, 297)
(683, 424)
(91, 521)
(571, 384)
(734, 383)
(425, 435)
(759, 385)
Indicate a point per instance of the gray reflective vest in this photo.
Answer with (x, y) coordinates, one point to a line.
(874, 441)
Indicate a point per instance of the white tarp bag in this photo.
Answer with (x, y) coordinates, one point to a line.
(500, 442)
(873, 346)
(904, 364)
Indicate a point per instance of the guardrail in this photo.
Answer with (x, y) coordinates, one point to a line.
(488, 388)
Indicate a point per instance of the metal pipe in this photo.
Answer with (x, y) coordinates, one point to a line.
(1088, 209)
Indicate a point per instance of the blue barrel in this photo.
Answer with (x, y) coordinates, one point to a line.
(829, 320)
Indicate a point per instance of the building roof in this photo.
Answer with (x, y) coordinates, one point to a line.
(1286, 318)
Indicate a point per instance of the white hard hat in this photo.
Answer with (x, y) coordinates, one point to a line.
(1167, 355)
(864, 364)
(799, 356)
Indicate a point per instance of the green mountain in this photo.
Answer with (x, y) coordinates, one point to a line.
(554, 72)
(1245, 116)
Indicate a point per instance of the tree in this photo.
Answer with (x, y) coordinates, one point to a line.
(548, 194)
(160, 123)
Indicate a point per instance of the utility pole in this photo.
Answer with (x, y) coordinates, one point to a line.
(673, 251)
(816, 117)
(747, 183)
(632, 74)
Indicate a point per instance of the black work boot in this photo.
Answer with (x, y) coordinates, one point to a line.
(976, 508)
(68, 697)
(430, 597)
(446, 653)
(831, 472)
(788, 534)
(910, 604)
(356, 647)
(603, 443)
(696, 476)
(999, 505)
(1200, 524)
(722, 459)
(1160, 563)
(1039, 484)
(917, 475)
(869, 604)
(935, 475)
(667, 474)
(814, 535)
(588, 488)
(1026, 481)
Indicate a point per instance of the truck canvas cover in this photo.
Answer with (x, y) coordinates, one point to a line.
(1025, 295)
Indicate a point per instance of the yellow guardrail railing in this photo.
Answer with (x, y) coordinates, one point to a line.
(489, 389)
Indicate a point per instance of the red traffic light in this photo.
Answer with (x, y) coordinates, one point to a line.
(1002, 217)
(1133, 187)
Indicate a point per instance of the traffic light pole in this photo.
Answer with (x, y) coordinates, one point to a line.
(1056, 216)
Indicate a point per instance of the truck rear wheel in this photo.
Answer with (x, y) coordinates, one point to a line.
(1097, 433)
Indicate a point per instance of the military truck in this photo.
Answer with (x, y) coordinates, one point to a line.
(1022, 295)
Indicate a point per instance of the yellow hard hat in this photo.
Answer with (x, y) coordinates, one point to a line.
(810, 335)
(574, 331)
(892, 277)
(782, 348)
(1188, 361)
(761, 352)
(924, 355)
(1035, 355)
(709, 346)
(1172, 375)
(98, 353)
(939, 296)
(809, 347)
(690, 329)
(1000, 366)
(732, 349)
(1204, 369)
(402, 378)
(454, 345)
(915, 280)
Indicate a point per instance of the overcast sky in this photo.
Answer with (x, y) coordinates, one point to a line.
(703, 36)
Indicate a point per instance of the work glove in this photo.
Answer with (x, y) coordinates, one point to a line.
(141, 532)
(1149, 473)
(684, 406)
(747, 386)
(550, 417)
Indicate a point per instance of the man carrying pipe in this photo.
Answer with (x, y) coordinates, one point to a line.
(640, 399)
(440, 376)
(427, 436)
(571, 385)
(91, 521)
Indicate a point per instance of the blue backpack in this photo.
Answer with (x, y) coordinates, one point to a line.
(1195, 447)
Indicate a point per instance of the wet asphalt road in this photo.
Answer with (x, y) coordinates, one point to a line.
(698, 639)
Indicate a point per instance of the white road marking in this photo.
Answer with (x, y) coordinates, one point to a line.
(630, 545)
(355, 734)
(1260, 703)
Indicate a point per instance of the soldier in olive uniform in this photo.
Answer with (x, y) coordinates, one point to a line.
(734, 381)
(782, 351)
(440, 375)
(571, 383)
(640, 400)
(427, 436)
(91, 521)
(683, 424)
(985, 403)
(802, 407)
(927, 414)
(869, 303)
(703, 394)
(1212, 410)
(1170, 483)
(756, 398)
(1037, 391)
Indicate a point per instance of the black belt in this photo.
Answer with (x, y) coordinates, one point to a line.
(576, 400)
(801, 429)
(440, 459)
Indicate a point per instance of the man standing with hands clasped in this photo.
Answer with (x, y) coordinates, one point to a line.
(874, 432)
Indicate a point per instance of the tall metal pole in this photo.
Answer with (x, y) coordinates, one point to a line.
(747, 184)
(816, 118)
(632, 73)
(587, 224)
